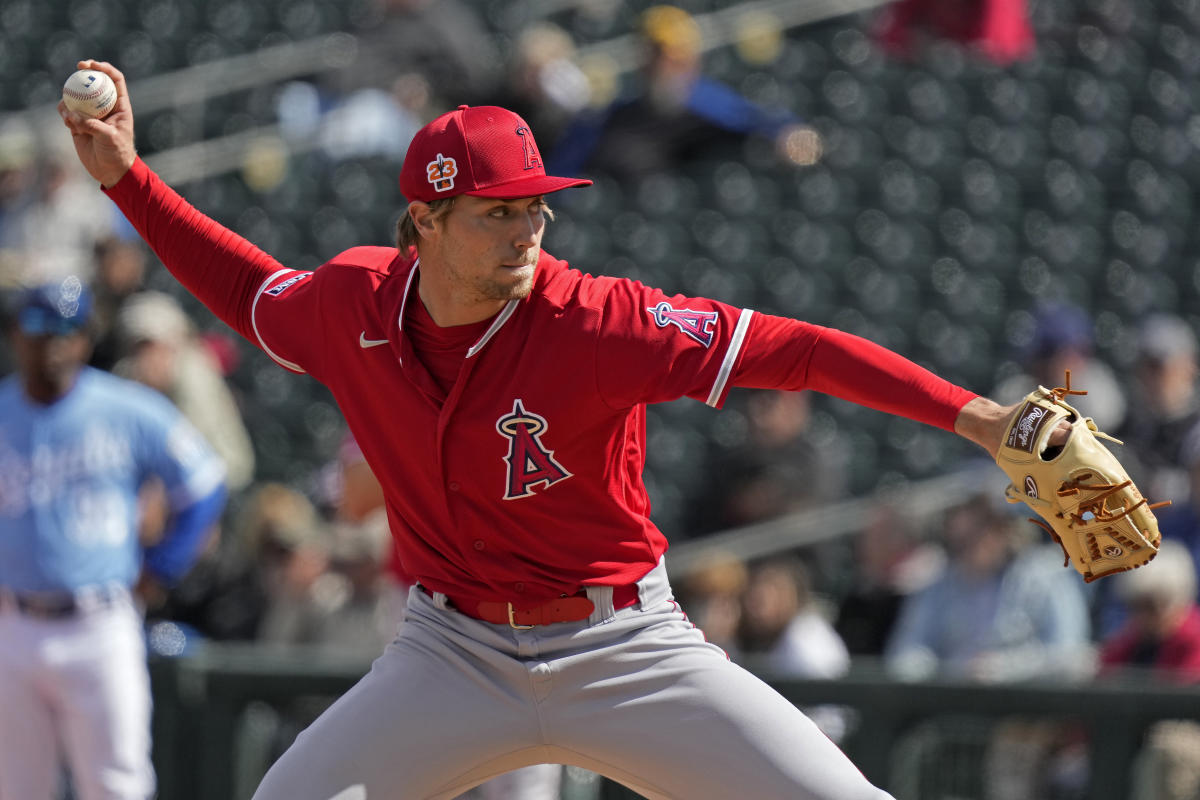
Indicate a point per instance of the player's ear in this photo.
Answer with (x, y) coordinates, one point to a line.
(423, 218)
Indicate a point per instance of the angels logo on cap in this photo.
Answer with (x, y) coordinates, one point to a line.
(485, 151)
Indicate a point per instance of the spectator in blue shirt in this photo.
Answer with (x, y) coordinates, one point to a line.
(1003, 609)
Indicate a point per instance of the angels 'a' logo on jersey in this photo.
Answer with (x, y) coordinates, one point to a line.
(698, 325)
(529, 461)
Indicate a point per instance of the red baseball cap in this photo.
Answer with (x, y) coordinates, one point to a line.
(486, 151)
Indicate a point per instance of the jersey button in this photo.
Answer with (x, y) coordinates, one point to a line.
(479, 545)
(518, 587)
(454, 487)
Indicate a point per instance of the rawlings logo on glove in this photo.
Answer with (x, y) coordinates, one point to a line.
(1088, 501)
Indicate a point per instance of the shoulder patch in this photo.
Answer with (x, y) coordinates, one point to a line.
(698, 325)
(279, 289)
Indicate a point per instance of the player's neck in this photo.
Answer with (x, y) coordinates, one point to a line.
(447, 302)
(48, 392)
(448, 312)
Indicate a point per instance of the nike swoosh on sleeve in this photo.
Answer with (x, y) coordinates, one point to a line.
(365, 343)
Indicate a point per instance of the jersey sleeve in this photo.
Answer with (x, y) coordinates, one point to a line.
(285, 319)
(782, 353)
(223, 270)
(272, 306)
(653, 347)
(171, 449)
(193, 476)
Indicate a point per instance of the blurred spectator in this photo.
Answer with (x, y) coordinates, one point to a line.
(1162, 630)
(161, 350)
(50, 222)
(414, 59)
(361, 123)
(892, 562)
(358, 617)
(1168, 768)
(999, 29)
(18, 148)
(783, 626)
(544, 85)
(1162, 633)
(784, 630)
(1180, 522)
(711, 596)
(674, 114)
(1063, 339)
(252, 584)
(776, 469)
(291, 544)
(1167, 407)
(1001, 610)
(444, 41)
(120, 272)
(356, 499)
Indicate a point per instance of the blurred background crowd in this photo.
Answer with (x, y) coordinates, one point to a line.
(1000, 189)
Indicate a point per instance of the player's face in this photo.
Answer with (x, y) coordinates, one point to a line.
(48, 363)
(487, 250)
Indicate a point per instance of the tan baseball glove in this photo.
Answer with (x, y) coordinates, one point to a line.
(1088, 501)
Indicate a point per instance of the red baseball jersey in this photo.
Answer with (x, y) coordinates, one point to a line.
(521, 478)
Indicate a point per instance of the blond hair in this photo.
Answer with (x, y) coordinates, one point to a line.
(406, 230)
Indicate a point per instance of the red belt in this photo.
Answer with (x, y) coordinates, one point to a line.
(559, 609)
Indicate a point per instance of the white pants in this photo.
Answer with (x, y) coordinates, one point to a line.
(636, 695)
(76, 687)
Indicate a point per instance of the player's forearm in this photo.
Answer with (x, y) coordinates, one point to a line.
(858, 370)
(223, 270)
(169, 560)
(983, 422)
(784, 353)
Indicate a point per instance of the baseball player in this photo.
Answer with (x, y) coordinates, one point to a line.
(500, 397)
(75, 445)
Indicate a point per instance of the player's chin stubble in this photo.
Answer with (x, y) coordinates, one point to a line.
(517, 289)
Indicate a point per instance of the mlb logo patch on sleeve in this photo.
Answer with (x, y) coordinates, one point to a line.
(279, 289)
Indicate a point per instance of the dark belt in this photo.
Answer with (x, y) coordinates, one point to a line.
(62, 605)
(569, 608)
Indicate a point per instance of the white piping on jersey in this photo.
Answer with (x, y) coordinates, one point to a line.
(283, 362)
(495, 326)
(498, 323)
(412, 274)
(731, 354)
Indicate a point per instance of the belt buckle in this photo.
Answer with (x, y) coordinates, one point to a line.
(512, 623)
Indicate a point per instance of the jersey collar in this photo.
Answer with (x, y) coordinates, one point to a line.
(509, 309)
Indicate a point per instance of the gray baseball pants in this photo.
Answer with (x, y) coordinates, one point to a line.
(636, 695)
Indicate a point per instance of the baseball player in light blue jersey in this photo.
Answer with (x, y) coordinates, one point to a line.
(76, 444)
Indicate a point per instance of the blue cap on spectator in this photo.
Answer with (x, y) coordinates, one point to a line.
(1060, 326)
(54, 309)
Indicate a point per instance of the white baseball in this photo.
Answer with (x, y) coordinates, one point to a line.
(90, 92)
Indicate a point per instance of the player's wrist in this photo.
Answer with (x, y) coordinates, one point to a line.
(125, 168)
(114, 176)
(983, 422)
